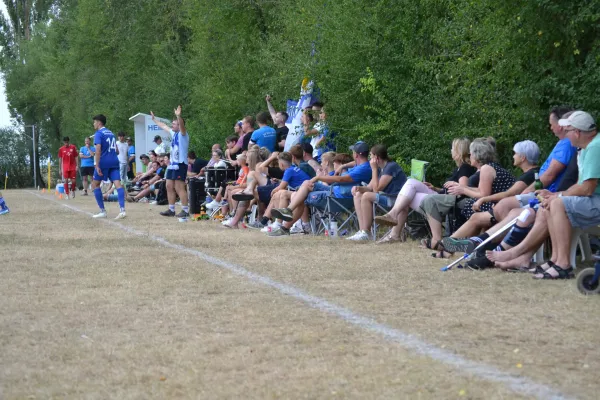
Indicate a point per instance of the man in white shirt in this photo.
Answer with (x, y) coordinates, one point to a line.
(122, 148)
(177, 169)
(161, 147)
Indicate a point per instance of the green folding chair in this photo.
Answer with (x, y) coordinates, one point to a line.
(418, 169)
(415, 219)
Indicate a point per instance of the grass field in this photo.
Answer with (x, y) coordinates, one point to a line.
(96, 309)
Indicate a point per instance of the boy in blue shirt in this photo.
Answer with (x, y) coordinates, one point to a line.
(107, 166)
(315, 190)
(264, 136)
(86, 154)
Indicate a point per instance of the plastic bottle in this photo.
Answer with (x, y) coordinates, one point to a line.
(538, 185)
(333, 226)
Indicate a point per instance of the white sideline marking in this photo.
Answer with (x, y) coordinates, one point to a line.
(520, 385)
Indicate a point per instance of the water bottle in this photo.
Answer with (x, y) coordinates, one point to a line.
(538, 185)
(333, 227)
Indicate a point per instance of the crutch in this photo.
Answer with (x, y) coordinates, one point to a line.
(469, 256)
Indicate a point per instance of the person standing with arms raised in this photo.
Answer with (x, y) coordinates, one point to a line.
(177, 169)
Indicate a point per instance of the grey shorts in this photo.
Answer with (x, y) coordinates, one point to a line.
(438, 206)
(524, 199)
(583, 212)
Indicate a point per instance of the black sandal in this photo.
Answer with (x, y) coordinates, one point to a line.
(538, 268)
(441, 250)
(566, 273)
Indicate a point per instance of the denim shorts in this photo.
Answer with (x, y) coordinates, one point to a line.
(385, 200)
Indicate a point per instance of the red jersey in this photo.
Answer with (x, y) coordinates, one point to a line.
(68, 155)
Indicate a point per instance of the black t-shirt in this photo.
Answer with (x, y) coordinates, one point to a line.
(275, 172)
(161, 172)
(528, 177)
(464, 170)
(571, 174)
(198, 165)
(474, 180)
(281, 135)
(246, 141)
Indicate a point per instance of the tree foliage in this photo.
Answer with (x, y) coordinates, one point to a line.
(411, 75)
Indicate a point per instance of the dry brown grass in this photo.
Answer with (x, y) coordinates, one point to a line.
(90, 311)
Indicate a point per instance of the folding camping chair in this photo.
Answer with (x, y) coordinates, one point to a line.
(378, 208)
(327, 209)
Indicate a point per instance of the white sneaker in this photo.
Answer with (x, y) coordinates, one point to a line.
(121, 215)
(212, 205)
(153, 203)
(178, 203)
(360, 236)
(101, 214)
(225, 221)
(229, 224)
(271, 226)
(297, 228)
(143, 200)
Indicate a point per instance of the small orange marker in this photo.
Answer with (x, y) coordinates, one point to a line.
(60, 196)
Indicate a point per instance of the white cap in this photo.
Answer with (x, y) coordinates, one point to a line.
(529, 149)
(579, 120)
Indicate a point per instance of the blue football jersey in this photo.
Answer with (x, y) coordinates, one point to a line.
(108, 153)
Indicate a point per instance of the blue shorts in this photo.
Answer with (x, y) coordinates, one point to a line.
(111, 174)
(177, 174)
(385, 200)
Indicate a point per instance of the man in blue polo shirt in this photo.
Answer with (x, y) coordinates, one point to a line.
(551, 171)
(264, 136)
(318, 187)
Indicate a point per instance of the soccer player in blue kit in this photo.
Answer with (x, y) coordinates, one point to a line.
(107, 166)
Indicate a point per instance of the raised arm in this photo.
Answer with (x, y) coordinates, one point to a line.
(182, 129)
(272, 110)
(161, 124)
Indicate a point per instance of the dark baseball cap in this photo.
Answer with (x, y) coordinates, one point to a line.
(156, 138)
(360, 147)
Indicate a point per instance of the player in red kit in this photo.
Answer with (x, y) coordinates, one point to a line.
(67, 156)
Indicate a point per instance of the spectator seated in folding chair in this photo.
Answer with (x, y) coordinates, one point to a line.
(253, 159)
(263, 177)
(148, 187)
(387, 178)
(490, 178)
(315, 192)
(223, 194)
(415, 191)
(278, 195)
(525, 158)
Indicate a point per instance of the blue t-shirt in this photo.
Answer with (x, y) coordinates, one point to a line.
(398, 178)
(86, 162)
(294, 177)
(131, 152)
(562, 152)
(108, 149)
(265, 137)
(360, 173)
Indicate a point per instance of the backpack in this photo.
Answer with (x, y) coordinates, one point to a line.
(161, 197)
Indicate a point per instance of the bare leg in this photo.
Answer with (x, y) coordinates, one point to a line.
(181, 190)
(366, 215)
(171, 193)
(532, 242)
(560, 233)
(504, 206)
(474, 225)
(301, 195)
(357, 198)
(436, 229)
